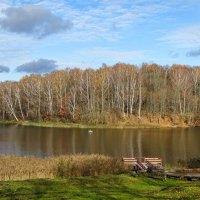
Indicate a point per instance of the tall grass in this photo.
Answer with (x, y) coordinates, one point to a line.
(22, 168)
(92, 165)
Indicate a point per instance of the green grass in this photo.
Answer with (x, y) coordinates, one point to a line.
(101, 187)
(6, 122)
(78, 125)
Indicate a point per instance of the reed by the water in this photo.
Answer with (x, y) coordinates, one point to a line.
(22, 168)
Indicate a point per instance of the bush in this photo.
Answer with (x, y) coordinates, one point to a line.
(194, 163)
(191, 163)
(87, 165)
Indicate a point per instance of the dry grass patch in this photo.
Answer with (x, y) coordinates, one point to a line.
(22, 168)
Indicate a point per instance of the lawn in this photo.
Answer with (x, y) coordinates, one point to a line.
(100, 187)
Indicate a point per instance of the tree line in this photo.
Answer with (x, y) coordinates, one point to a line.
(105, 95)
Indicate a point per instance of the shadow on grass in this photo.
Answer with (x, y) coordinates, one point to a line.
(105, 187)
(33, 189)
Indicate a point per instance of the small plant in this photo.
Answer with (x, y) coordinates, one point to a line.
(182, 163)
(194, 162)
(191, 163)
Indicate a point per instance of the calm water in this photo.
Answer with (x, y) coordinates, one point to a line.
(169, 144)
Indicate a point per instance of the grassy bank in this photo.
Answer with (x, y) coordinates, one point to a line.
(89, 126)
(101, 187)
(52, 124)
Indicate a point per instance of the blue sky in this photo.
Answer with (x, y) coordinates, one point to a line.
(38, 36)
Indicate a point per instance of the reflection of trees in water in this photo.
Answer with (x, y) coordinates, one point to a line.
(73, 141)
(139, 143)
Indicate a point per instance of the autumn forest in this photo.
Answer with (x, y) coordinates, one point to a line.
(105, 95)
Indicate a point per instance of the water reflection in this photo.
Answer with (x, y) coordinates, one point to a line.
(169, 144)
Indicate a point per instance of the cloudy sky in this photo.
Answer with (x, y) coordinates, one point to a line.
(39, 36)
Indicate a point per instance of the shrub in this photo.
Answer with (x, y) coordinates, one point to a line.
(194, 162)
(88, 165)
(191, 163)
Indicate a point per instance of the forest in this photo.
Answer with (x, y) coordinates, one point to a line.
(105, 95)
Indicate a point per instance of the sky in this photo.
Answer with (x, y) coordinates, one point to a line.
(40, 36)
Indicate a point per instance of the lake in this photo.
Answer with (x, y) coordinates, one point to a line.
(169, 144)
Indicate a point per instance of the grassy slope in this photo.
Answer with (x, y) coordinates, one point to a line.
(103, 187)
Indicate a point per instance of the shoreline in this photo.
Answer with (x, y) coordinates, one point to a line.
(120, 125)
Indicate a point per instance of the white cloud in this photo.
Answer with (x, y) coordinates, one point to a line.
(186, 37)
(94, 57)
(113, 54)
(101, 18)
(81, 65)
(10, 50)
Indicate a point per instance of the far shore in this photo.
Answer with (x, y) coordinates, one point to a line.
(119, 125)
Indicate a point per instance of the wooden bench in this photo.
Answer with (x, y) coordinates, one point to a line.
(143, 164)
(129, 162)
(153, 162)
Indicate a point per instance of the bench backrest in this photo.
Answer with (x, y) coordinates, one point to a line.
(129, 161)
(153, 161)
